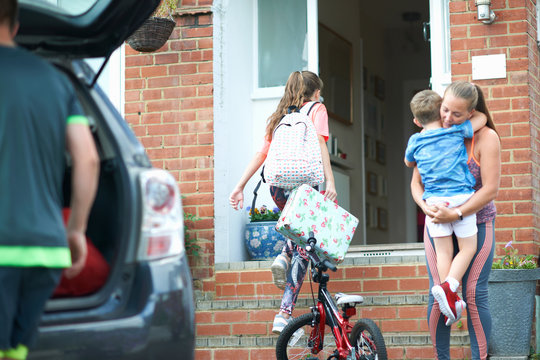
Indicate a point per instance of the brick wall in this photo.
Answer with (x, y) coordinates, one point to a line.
(513, 103)
(169, 105)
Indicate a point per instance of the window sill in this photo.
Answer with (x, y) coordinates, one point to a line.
(268, 93)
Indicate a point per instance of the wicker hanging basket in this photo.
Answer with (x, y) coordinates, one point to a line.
(153, 33)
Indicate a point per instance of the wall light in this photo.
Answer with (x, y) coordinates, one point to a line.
(485, 14)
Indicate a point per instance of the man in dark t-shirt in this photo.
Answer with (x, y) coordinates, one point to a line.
(40, 118)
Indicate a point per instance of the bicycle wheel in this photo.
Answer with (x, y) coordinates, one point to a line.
(301, 349)
(368, 340)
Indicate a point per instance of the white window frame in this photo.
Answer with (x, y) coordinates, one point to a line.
(441, 63)
(313, 51)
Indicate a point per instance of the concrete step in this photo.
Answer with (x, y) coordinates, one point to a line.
(391, 340)
(306, 302)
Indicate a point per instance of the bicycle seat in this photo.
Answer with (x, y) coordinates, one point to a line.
(342, 298)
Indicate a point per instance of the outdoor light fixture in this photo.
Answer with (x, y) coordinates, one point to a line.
(485, 14)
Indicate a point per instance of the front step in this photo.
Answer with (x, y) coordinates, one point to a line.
(228, 328)
(392, 341)
(235, 322)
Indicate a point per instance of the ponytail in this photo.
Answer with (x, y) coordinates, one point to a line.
(293, 96)
(482, 107)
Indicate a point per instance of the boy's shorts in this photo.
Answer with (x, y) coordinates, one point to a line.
(462, 228)
(25, 290)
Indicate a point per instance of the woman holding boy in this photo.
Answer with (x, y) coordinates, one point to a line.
(461, 100)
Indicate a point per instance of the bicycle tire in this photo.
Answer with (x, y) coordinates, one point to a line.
(371, 336)
(301, 349)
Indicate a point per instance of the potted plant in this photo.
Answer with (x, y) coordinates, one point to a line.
(262, 240)
(512, 287)
(156, 30)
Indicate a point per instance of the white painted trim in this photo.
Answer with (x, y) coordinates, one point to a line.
(256, 50)
(441, 71)
(221, 171)
(313, 35)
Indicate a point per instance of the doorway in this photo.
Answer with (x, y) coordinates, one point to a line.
(390, 60)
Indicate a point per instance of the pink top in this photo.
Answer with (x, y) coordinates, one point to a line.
(319, 116)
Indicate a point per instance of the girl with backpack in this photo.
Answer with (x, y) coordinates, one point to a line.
(290, 267)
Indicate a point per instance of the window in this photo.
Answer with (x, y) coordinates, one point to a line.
(283, 42)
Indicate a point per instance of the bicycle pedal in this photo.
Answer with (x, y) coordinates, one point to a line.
(349, 299)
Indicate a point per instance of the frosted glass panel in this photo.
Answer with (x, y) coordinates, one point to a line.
(282, 40)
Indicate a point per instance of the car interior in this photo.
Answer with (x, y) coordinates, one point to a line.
(105, 227)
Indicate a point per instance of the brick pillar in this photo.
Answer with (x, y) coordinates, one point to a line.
(169, 105)
(513, 103)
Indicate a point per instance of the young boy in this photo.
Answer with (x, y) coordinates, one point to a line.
(441, 158)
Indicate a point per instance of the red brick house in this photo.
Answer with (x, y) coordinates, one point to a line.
(199, 106)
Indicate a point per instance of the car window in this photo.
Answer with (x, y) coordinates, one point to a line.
(69, 7)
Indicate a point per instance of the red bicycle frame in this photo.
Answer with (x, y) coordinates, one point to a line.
(339, 324)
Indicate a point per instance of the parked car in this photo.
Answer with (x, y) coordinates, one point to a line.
(145, 309)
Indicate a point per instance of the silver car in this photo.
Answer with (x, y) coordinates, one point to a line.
(145, 310)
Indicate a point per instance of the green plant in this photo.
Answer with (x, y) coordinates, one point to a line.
(165, 8)
(514, 261)
(192, 248)
(263, 214)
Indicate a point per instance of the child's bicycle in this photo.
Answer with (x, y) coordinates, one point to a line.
(304, 337)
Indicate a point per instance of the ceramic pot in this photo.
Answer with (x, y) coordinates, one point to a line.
(262, 240)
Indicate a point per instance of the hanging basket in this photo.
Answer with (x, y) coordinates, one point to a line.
(151, 36)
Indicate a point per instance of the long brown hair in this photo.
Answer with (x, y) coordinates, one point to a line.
(475, 96)
(299, 88)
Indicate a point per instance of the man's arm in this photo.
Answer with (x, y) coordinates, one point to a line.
(84, 180)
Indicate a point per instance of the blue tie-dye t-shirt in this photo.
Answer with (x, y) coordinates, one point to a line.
(441, 158)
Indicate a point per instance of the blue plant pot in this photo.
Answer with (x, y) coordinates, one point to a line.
(262, 240)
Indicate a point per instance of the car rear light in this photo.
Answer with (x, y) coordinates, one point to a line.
(162, 220)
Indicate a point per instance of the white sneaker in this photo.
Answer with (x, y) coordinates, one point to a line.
(279, 323)
(279, 270)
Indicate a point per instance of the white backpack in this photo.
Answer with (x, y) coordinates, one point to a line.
(294, 157)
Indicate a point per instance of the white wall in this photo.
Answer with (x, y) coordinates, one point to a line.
(239, 123)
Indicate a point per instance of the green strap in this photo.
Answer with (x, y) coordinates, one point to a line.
(28, 256)
(19, 353)
(77, 119)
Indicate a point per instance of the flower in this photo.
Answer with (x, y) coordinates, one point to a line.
(263, 214)
(514, 261)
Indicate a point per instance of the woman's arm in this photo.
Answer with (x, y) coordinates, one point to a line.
(489, 146)
(236, 199)
(330, 189)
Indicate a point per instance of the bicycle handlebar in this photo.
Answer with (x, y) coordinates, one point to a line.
(310, 248)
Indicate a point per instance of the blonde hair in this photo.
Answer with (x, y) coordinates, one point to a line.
(474, 95)
(425, 106)
(299, 88)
